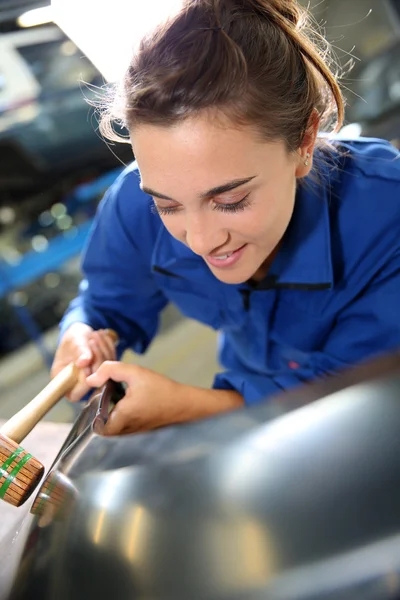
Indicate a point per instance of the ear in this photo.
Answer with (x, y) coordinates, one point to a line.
(306, 150)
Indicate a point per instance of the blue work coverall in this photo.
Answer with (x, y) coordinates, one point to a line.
(331, 298)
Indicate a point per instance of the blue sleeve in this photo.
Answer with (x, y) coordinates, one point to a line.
(369, 326)
(118, 290)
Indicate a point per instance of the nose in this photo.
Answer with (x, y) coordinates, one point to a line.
(203, 234)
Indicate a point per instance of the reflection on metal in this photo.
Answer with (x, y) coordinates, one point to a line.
(99, 523)
(54, 498)
(257, 552)
(296, 499)
(105, 494)
(135, 527)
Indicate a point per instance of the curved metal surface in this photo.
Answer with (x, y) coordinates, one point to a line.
(295, 499)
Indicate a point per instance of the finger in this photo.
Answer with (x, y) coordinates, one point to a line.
(117, 371)
(95, 366)
(87, 371)
(110, 342)
(85, 355)
(77, 393)
(116, 422)
(57, 366)
(82, 387)
(98, 357)
(102, 345)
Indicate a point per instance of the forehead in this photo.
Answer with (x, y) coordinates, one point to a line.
(201, 153)
(197, 141)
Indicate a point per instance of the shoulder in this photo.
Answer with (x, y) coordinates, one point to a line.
(361, 184)
(363, 180)
(126, 188)
(369, 157)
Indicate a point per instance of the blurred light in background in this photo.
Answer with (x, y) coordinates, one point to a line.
(19, 298)
(108, 34)
(7, 215)
(352, 131)
(64, 222)
(39, 243)
(58, 210)
(37, 16)
(52, 280)
(11, 256)
(68, 48)
(46, 219)
(70, 233)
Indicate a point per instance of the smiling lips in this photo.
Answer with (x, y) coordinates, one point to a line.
(226, 260)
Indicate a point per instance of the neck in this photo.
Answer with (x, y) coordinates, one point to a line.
(262, 272)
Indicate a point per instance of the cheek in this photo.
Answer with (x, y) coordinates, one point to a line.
(270, 218)
(175, 225)
(247, 225)
(259, 220)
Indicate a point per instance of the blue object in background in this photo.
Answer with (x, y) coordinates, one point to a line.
(36, 264)
(62, 248)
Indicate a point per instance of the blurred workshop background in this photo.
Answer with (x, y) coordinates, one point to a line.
(54, 168)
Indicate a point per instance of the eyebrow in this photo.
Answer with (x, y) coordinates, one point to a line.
(216, 191)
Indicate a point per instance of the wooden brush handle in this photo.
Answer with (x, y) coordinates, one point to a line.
(22, 423)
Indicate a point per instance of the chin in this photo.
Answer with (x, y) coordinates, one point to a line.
(233, 277)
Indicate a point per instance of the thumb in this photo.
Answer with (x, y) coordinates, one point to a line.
(117, 371)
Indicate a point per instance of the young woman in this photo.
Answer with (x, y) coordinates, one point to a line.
(286, 242)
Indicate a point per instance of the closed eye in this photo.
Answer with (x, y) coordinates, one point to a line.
(234, 207)
(162, 210)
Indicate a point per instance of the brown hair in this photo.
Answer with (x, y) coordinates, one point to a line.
(259, 61)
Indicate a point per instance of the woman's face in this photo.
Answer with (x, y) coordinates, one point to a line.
(220, 190)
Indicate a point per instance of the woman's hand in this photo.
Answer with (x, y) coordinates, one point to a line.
(88, 349)
(153, 400)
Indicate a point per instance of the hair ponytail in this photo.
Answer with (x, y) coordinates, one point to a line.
(293, 20)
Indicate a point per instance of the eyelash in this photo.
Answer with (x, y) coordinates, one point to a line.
(229, 208)
(157, 210)
(233, 208)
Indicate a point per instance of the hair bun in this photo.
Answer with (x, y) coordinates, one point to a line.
(290, 10)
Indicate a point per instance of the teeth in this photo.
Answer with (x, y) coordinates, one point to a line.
(224, 257)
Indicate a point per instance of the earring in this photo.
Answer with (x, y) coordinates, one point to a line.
(307, 161)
